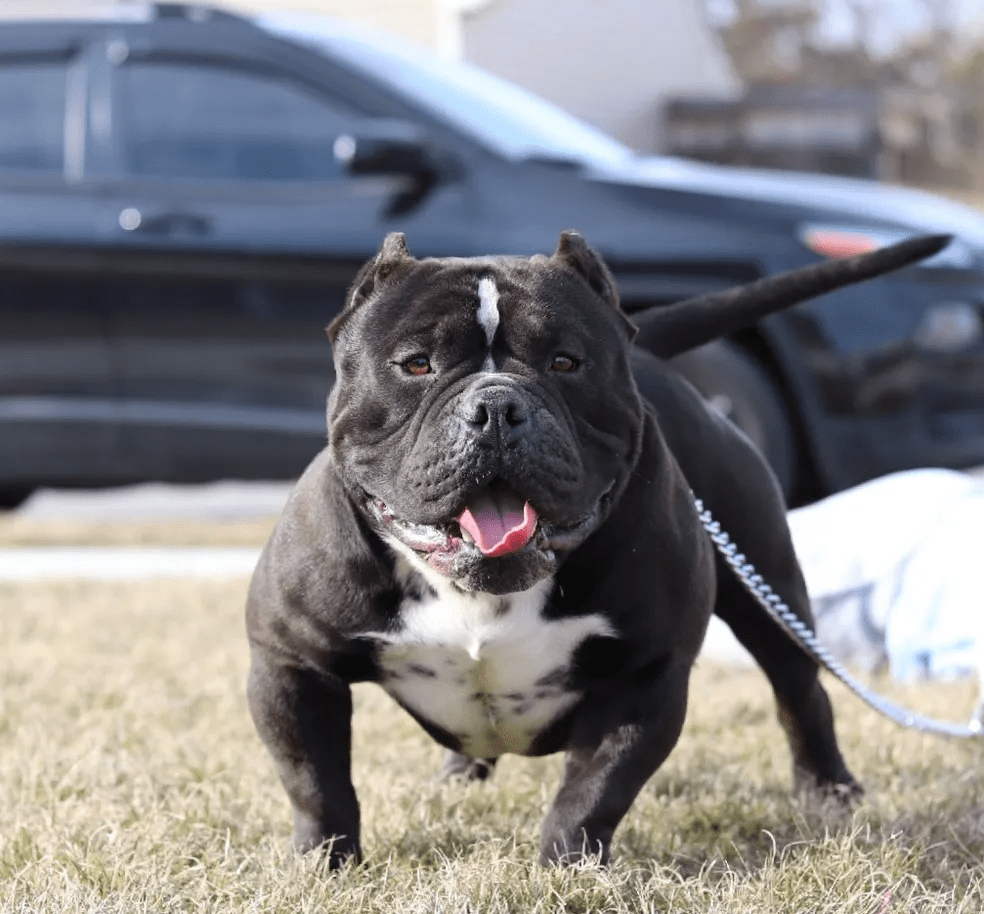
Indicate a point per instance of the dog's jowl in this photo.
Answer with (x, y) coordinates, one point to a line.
(501, 533)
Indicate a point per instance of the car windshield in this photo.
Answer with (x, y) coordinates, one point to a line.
(495, 112)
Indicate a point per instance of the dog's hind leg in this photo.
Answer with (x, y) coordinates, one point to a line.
(458, 765)
(803, 706)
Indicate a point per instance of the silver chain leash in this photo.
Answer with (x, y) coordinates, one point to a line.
(801, 634)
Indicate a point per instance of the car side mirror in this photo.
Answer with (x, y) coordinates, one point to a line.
(396, 148)
(385, 147)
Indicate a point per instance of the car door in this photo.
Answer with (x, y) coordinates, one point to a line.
(225, 175)
(223, 149)
(58, 385)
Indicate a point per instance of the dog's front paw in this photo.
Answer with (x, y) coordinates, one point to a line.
(845, 791)
(338, 849)
(573, 846)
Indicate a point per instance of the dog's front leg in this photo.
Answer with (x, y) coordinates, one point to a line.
(602, 776)
(305, 720)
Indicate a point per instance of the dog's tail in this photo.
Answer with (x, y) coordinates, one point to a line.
(669, 330)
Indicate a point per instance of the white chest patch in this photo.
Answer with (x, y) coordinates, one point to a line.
(488, 314)
(489, 670)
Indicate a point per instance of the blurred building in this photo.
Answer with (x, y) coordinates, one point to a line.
(834, 131)
(896, 134)
(610, 62)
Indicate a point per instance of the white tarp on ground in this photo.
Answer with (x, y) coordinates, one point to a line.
(895, 572)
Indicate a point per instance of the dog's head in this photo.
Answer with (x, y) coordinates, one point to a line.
(484, 413)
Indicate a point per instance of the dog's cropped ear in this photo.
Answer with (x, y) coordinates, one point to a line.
(393, 254)
(577, 255)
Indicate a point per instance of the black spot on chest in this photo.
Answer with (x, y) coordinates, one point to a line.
(356, 660)
(596, 659)
(416, 589)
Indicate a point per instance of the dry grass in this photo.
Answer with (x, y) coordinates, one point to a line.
(132, 781)
(16, 530)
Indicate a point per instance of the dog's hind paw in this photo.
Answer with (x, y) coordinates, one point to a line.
(835, 795)
(456, 765)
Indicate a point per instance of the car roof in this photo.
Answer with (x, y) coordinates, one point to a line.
(123, 11)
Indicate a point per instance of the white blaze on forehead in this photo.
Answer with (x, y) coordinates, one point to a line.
(488, 307)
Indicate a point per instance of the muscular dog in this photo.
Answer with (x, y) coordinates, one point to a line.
(501, 533)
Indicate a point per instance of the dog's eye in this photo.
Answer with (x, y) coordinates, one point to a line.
(564, 363)
(417, 364)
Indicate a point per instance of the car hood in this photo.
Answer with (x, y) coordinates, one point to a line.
(846, 201)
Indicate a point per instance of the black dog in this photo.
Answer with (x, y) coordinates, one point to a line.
(501, 533)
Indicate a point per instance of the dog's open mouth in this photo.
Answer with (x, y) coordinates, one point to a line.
(498, 521)
(495, 523)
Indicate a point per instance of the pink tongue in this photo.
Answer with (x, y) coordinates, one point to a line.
(499, 522)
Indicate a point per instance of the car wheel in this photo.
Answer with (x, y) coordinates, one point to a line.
(14, 497)
(737, 387)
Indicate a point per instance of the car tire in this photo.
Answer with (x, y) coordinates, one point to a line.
(737, 387)
(12, 498)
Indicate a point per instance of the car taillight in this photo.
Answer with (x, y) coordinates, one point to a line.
(839, 243)
(846, 241)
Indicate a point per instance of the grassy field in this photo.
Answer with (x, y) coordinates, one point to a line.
(131, 781)
(18, 531)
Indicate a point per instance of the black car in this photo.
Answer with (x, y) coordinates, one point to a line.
(185, 195)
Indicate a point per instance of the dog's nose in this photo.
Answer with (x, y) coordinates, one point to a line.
(495, 410)
(505, 415)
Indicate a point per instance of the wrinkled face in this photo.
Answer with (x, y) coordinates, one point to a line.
(484, 414)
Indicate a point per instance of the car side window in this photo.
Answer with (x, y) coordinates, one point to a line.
(32, 115)
(216, 123)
